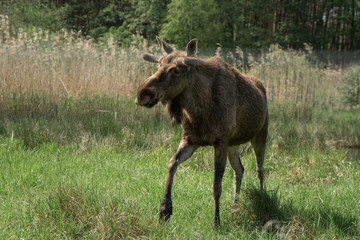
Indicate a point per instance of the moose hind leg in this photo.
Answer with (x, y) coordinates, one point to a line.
(219, 168)
(184, 151)
(259, 146)
(233, 156)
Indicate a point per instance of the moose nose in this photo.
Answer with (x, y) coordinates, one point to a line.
(144, 101)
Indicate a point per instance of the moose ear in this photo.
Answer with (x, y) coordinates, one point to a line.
(164, 46)
(192, 48)
(151, 58)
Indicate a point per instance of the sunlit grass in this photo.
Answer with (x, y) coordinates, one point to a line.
(77, 172)
(53, 191)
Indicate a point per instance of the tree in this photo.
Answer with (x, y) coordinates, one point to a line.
(121, 18)
(324, 24)
(32, 13)
(187, 19)
(146, 17)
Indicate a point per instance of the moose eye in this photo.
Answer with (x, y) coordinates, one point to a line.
(175, 71)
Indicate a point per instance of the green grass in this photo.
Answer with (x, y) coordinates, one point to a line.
(59, 192)
(72, 168)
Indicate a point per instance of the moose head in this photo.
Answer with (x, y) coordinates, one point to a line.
(172, 76)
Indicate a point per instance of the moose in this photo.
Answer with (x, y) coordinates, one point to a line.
(216, 105)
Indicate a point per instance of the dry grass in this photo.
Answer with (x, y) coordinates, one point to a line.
(290, 77)
(62, 73)
(71, 69)
(64, 63)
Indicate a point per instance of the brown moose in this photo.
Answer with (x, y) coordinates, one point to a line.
(215, 104)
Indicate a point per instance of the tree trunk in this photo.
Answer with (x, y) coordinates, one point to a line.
(352, 34)
(325, 28)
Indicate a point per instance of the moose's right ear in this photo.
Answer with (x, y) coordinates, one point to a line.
(151, 58)
(164, 46)
(192, 48)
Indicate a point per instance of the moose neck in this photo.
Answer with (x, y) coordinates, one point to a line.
(196, 98)
(191, 103)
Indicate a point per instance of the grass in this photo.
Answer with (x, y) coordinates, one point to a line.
(56, 192)
(76, 173)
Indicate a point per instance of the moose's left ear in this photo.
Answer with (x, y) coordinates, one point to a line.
(164, 46)
(192, 48)
(151, 58)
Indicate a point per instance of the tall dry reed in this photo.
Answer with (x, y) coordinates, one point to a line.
(64, 63)
(57, 64)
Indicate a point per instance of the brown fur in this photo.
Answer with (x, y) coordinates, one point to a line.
(215, 105)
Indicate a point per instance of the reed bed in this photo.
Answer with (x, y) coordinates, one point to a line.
(82, 68)
(66, 64)
(64, 76)
(74, 69)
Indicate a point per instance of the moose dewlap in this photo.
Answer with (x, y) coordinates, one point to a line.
(215, 104)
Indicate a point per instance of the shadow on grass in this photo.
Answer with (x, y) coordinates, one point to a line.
(261, 207)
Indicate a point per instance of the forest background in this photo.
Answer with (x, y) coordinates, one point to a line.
(323, 24)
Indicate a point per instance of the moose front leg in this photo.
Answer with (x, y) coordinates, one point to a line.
(184, 151)
(219, 165)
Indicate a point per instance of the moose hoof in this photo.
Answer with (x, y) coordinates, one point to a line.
(216, 225)
(165, 212)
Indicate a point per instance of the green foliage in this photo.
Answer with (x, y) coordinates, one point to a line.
(189, 19)
(33, 13)
(145, 17)
(329, 24)
(92, 18)
(119, 35)
(97, 19)
(350, 87)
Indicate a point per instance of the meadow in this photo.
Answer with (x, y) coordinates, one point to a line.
(80, 161)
